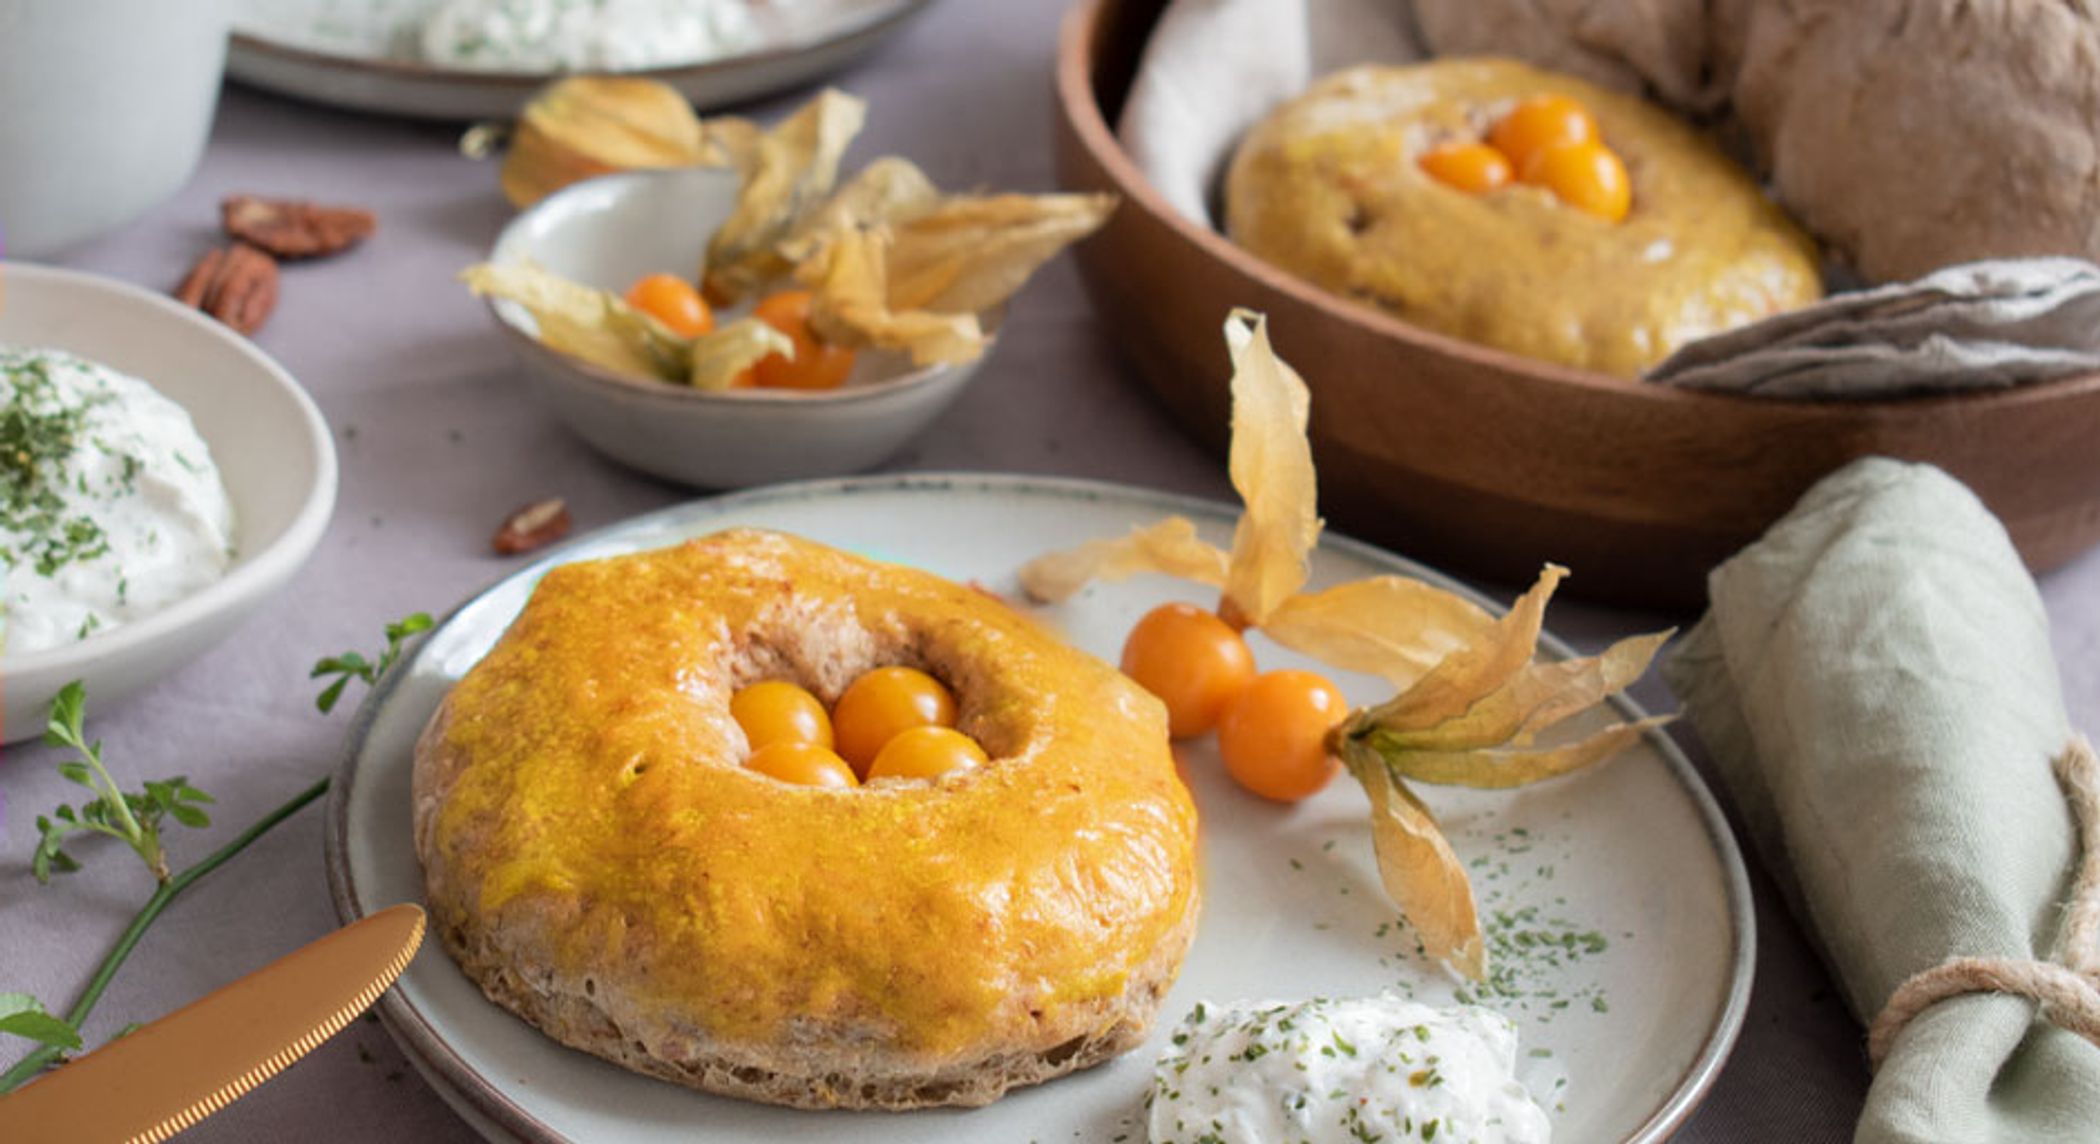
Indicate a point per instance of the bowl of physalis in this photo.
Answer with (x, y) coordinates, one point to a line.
(771, 317)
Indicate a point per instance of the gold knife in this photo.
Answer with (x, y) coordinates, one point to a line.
(168, 1075)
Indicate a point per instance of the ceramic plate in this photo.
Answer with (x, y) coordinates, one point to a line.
(1617, 902)
(344, 53)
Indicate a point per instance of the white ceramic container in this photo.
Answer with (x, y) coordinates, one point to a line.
(609, 231)
(104, 109)
(268, 439)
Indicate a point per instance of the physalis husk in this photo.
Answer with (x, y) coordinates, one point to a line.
(787, 175)
(1473, 696)
(585, 126)
(600, 327)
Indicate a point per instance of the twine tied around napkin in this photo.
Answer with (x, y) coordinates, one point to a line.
(2067, 993)
(1876, 680)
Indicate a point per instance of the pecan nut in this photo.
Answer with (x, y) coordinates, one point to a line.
(537, 525)
(236, 284)
(290, 229)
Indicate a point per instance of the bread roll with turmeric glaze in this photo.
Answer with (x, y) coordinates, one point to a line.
(600, 862)
(1330, 187)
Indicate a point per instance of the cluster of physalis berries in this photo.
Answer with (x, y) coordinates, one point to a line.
(1548, 141)
(891, 723)
(816, 364)
(1272, 727)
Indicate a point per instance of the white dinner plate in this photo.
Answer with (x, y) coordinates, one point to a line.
(1615, 898)
(306, 48)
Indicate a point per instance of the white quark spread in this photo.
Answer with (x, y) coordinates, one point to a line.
(110, 505)
(583, 35)
(1342, 1071)
(520, 35)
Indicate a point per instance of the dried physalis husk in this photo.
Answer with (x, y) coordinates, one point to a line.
(585, 126)
(599, 327)
(1272, 469)
(850, 307)
(885, 191)
(594, 325)
(790, 171)
(1169, 546)
(1473, 696)
(1394, 627)
(1489, 744)
(918, 281)
(1422, 874)
(1471, 721)
(972, 253)
(722, 355)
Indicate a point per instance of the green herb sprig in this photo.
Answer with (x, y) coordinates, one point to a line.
(136, 818)
(352, 666)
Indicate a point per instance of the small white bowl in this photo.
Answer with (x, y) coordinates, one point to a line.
(270, 443)
(609, 231)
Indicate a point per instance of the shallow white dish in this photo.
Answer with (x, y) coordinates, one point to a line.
(272, 49)
(270, 443)
(609, 231)
(1635, 851)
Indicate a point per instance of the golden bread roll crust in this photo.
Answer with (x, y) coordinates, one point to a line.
(1330, 187)
(597, 858)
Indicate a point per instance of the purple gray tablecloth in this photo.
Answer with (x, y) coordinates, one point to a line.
(438, 442)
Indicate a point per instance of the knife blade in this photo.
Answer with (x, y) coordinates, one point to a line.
(166, 1076)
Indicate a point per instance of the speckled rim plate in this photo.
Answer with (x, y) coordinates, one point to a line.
(428, 91)
(1634, 858)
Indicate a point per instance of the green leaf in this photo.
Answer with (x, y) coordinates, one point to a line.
(77, 773)
(327, 699)
(63, 727)
(189, 793)
(49, 859)
(188, 815)
(347, 663)
(39, 1026)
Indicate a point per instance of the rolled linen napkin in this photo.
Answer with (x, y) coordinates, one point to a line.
(1875, 681)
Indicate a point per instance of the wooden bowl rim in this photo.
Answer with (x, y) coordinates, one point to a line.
(1081, 109)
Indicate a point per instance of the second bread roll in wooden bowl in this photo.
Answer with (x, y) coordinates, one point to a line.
(1489, 463)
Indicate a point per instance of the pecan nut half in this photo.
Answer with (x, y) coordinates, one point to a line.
(290, 229)
(537, 525)
(236, 284)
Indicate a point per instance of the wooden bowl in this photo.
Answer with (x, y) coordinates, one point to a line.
(1489, 463)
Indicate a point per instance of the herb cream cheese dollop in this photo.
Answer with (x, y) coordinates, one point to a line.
(110, 505)
(1342, 1071)
(584, 35)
